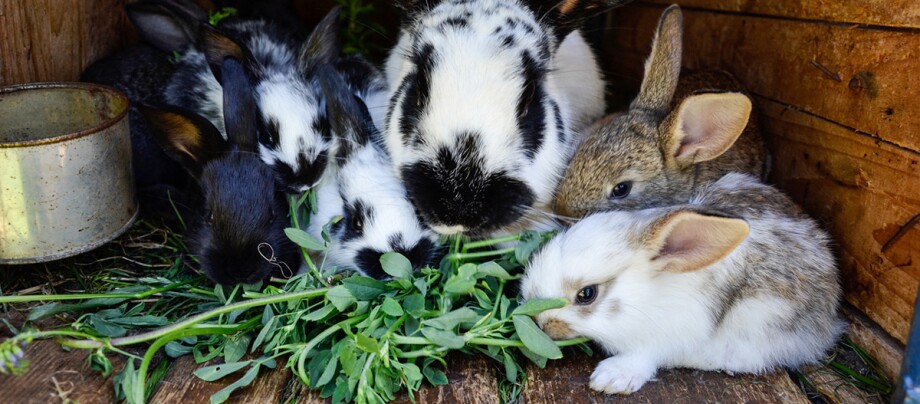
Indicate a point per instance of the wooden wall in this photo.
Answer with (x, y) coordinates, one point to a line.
(838, 86)
(44, 40)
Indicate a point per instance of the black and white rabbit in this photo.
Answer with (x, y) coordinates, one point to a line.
(236, 228)
(361, 187)
(293, 128)
(481, 116)
(739, 279)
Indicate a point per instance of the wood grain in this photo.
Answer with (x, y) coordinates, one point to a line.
(888, 352)
(865, 79)
(45, 40)
(181, 385)
(56, 376)
(566, 381)
(863, 191)
(889, 13)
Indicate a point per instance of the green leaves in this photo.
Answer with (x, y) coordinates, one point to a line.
(533, 307)
(396, 265)
(304, 239)
(364, 288)
(217, 372)
(534, 338)
(340, 297)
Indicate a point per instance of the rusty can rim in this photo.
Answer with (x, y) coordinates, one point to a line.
(105, 124)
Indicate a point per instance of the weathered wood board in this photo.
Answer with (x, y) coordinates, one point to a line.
(45, 40)
(838, 151)
(57, 376)
(862, 78)
(566, 381)
(891, 13)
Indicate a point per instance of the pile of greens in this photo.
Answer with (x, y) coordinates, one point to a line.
(353, 338)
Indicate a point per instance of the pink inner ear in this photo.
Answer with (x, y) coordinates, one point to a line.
(709, 124)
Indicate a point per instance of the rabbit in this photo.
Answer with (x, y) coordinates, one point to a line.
(480, 116)
(738, 280)
(293, 128)
(362, 189)
(676, 136)
(237, 224)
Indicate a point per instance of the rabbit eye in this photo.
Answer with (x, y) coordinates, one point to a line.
(208, 216)
(356, 222)
(621, 190)
(586, 295)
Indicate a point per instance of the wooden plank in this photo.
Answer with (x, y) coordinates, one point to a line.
(861, 78)
(470, 380)
(888, 13)
(875, 341)
(566, 381)
(44, 40)
(863, 191)
(58, 376)
(181, 385)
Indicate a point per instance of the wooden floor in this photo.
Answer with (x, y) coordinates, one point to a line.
(58, 376)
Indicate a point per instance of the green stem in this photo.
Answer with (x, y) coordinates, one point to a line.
(404, 340)
(482, 254)
(131, 296)
(140, 386)
(191, 321)
(489, 243)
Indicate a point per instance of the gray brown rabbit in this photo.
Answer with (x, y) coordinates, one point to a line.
(678, 135)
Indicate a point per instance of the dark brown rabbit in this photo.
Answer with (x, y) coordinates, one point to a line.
(678, 135)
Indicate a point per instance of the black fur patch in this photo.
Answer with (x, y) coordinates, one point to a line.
(417, 87)
(531, 113)
(456, 22)
(307, 174)
(454, 190)
(321, 125)
(356, 215)
(268, 134)
(560, 123)
(423, 253)
(249, 217)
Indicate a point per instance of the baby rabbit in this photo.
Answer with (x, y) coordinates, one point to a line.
(666, 145)
(236, 228)
(292, 126)
(738, 280)
(480, 118)
(361, 187)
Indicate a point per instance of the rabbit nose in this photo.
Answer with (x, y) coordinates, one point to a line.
(556, 329)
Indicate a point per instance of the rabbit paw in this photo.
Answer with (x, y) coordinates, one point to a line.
(621, 375)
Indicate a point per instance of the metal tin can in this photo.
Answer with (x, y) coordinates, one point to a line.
(66, 184)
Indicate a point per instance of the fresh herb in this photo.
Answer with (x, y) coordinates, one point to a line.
(358, 29)
(215, 17)
(352, 338)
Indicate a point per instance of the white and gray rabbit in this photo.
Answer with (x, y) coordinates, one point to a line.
(361, 188)
(680, 133)
(738, 280)
(483, 105)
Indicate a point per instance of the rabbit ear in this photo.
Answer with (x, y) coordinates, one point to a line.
(687, 241)
(218, 46)
(186, 137)
(662, 69)
(239, 105)
(705, 126)
(566, 16)
(349, 117)
(168, 25)
(322, 47)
